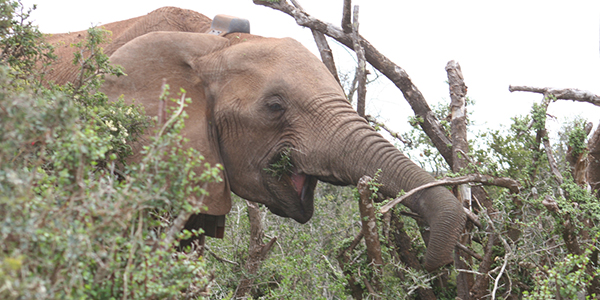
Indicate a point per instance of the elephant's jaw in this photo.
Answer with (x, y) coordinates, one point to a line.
(299, 204)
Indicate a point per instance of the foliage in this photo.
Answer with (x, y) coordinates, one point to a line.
(567, 279)
(540, 264)
(20, 49)
(303, 264)
(76, 221)
(282, 165)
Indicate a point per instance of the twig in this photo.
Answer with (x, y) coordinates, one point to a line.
(469, 271)
(383, 126)
(508, 183)
(353, 245)
(220, 258)
(506, 255)
(468, 251)
(174, 116)
(563, 94)
(472, 217)
(182, 218)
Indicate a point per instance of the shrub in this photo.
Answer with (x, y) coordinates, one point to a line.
(77, 220)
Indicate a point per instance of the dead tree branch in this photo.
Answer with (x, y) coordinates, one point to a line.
(361, 70)
(221, 259)
(469, 251)
(396, 74)
(505, 182)
(346, 17)
(563, 94)
(552, 162)
(458, 92)
(460, 146)
(324, 49)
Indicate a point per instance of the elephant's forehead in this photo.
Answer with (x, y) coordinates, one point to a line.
(277, 53)
(284, 63)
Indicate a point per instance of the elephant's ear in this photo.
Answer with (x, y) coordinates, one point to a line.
(158, 57)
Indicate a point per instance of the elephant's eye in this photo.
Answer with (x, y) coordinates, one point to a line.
(275, 107)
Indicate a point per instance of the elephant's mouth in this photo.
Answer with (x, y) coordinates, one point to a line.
(298, 202)
(293, 191)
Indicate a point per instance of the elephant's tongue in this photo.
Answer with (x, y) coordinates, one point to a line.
(298, 180)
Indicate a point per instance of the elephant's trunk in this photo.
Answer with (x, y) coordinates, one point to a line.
(365, 152)
(440, 209)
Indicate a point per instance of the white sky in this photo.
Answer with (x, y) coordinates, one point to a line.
(536, 43)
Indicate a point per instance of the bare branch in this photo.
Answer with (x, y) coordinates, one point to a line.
(553, 165)
(323, 46)
(508, 183)
(458, 91)
(468, 251)
(507, 254)
(563, 94)
(361, 72)
(326, 53)
(472, 217)
(217, 257)
(346, 19)
(257, 251)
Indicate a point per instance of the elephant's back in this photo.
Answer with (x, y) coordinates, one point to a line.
(162, 19)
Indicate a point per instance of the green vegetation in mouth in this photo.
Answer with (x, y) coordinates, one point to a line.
(283, 165)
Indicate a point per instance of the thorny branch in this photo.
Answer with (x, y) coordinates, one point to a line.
(506, 182)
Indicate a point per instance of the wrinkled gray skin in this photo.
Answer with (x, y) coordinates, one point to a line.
(253, 98)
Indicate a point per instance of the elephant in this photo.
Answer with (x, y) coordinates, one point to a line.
(256, 100)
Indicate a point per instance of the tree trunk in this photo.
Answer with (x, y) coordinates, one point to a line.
(460, 148)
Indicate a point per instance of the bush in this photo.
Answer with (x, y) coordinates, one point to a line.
(77, 220)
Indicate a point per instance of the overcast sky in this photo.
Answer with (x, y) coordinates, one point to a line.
(536, 43)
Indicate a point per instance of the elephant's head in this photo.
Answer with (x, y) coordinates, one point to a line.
(271, 113)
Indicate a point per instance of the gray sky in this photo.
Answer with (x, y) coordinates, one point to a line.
(536, 43)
